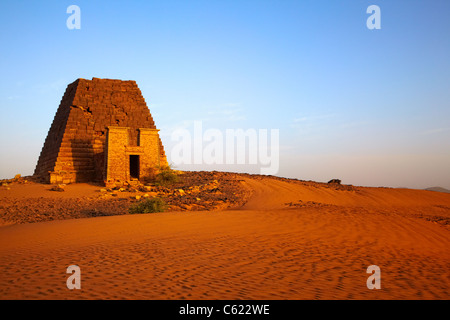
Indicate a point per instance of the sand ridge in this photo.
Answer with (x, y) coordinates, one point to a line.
(264, 249)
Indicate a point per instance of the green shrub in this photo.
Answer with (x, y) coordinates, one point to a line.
(166, 177)
(148, 206)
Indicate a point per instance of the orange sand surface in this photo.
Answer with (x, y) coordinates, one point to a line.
(273, 247)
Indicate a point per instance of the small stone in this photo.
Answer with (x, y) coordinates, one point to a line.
(138, 197)
(335, 181)
(59, 187)
(103, 190)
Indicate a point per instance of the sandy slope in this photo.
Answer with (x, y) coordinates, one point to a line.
(264, 250)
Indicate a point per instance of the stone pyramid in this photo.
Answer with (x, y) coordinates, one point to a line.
(102, 131)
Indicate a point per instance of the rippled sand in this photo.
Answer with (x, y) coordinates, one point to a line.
(265, 250)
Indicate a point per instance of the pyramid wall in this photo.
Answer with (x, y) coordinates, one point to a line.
(75, 149)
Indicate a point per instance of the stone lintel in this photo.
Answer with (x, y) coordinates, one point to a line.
(148, 130)
(134, 150)
(116, 128)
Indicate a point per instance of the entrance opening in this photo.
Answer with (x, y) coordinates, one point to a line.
(134, 166)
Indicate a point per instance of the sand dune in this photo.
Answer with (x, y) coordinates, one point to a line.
(317, 247)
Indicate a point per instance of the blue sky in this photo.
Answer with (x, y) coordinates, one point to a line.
(371, 107)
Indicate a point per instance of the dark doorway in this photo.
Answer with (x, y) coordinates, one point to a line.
(134, 166)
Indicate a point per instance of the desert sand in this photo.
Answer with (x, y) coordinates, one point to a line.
(289, 240)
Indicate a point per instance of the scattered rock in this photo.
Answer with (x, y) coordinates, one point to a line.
(59, 187)
(195, 191)
(307, 204)
(336, 181)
